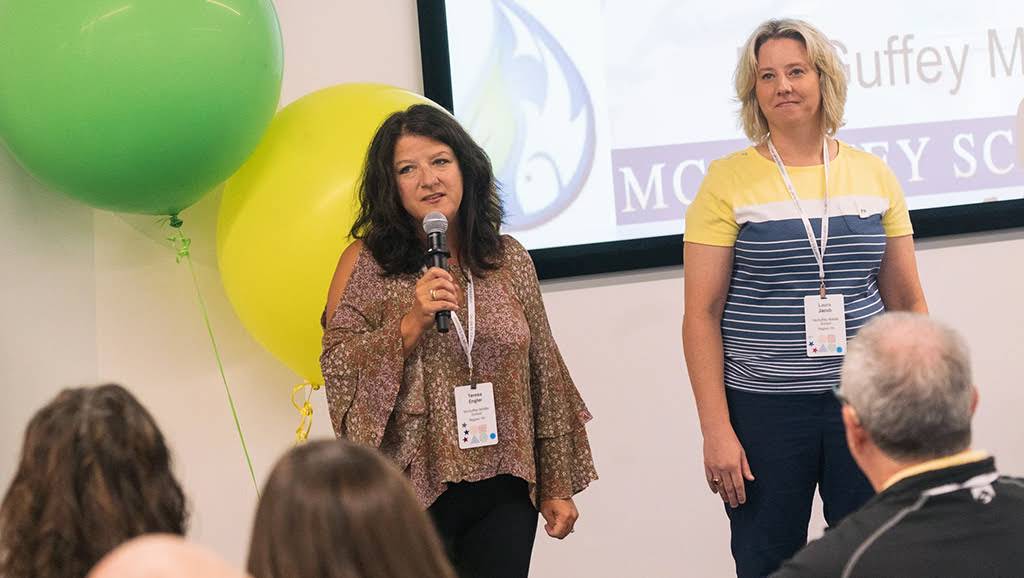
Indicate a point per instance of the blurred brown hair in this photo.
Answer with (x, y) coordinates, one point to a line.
(334, 509)
(94, 472)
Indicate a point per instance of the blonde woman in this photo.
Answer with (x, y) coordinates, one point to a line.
(792, 245)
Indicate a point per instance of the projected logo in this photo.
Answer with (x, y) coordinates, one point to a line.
(531, 110)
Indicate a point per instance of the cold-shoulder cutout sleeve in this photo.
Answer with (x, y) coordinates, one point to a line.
(363, 365)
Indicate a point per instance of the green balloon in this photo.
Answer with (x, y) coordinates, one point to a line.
(139, 106)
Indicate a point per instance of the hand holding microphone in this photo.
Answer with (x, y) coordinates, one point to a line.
(435, 224)
(436, 294)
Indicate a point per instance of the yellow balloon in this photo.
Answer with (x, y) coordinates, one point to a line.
(285, 215)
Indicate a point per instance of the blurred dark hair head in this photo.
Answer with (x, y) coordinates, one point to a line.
(94, 472)
(335, 509)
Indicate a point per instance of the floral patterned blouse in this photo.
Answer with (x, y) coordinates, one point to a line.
(406, 406)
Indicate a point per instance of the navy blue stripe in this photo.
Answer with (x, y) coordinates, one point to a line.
(773, 270)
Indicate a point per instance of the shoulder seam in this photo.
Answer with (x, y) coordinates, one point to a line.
(888, 525)
(1011, 481)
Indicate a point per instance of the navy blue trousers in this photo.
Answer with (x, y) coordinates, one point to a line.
(794, 444)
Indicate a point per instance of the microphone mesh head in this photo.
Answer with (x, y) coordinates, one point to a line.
(435, 222)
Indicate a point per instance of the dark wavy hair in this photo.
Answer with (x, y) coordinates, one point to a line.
(390, 233)
(336, 509)
(94, 472)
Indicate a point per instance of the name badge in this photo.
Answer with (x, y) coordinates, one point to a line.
(825, 325)
(477, 420)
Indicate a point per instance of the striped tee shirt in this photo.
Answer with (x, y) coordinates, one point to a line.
(743, 203)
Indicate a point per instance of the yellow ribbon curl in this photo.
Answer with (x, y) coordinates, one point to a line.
(305, 410)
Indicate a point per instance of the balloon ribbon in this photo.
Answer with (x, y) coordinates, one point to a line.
(182, 244)
(305, 410)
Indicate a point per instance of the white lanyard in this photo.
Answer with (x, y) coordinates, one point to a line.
(819, 254)
(467, 344)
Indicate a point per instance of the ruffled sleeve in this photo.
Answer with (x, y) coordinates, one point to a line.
(564, 462)
(362, 361)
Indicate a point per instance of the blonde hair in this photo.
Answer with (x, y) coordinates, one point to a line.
(821, 54)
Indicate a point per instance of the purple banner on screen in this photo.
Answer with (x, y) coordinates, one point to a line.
(658, 183)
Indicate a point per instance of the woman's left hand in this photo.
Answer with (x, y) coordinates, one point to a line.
(560, 514)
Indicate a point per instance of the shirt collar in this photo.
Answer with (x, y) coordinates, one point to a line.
(964, 457)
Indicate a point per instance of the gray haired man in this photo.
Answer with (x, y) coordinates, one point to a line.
(941, 509)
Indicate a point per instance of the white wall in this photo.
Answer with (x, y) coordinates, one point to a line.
(47, 301)
(90, 295)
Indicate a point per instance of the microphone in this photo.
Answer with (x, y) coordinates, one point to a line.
(436, 225)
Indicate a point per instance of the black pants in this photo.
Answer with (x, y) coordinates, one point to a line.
(487, 527)
(794, 443)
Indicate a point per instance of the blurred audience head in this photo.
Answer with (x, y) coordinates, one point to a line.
(334, 509)
(907, 384)
(162, 556)
(94, 473)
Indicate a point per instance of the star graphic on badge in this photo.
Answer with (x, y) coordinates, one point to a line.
(465, 439)
(463, 425)
(466, 431)
(815, 350)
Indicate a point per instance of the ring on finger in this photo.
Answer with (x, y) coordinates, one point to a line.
(432, 296)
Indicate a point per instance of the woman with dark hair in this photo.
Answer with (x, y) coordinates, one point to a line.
(94, 472)
(485, 421)
(335, 509)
